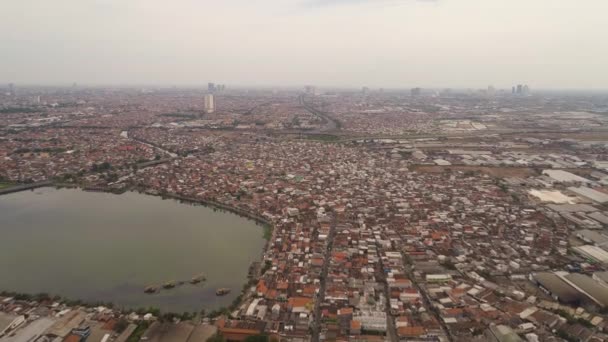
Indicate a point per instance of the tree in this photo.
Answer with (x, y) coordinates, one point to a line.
(121, 325)
(216, 338)
(257, 338)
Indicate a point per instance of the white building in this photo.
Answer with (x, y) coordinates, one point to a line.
(591, 194)
(209, 104)
(565, 177)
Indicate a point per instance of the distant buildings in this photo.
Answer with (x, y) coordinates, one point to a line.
(491, 90)
(209, 104)
(416, 91)
(310, 90)
(213, 88)
(521, 89)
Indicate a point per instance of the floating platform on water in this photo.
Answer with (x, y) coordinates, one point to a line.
(169, 285)
(173, 283)
(197, 279)
(151, 289)
(222, 292)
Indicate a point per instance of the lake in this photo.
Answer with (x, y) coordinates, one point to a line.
(104, 247)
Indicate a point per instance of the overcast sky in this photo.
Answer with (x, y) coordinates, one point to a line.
(375, 43)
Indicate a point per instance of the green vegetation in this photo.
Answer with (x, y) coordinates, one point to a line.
(4, 185)
(218, 312)
(572, 320)
(139, 332)
(111, 177)
(171, 316)
(565, 336)
(179, 115)
(101, 167)
(121, 325)
(323, 137)
(338, 124)
(267, 266)
(267, 231)
(15, 110)
(450, 265)
(216, 338)
(258, 338)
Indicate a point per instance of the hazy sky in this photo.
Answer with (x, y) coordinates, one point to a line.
(377, 43)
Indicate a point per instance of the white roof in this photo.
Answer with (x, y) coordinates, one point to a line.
(564, 176)
(591, 194)
(593, 252)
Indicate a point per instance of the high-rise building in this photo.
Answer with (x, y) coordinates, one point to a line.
(211, 87)
(11, 88)
(209, 104)
(310, 90)
(491, 90)
(416, 91)
(521, 89)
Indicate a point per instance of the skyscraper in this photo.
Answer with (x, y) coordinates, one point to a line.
(310, 90)
(491, 90)
(416, 91)
(209, 104)
(211, 87)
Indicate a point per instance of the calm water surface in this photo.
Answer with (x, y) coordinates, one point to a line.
(105, 247)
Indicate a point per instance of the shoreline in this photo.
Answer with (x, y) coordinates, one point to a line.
(258, 219)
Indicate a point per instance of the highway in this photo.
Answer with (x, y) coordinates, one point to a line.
(330, 123)
(156, 147)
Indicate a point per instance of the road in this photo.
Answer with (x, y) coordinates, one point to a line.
(425, 298)
(330, 123)
(391, 328)
(316, 325)
(156, 147)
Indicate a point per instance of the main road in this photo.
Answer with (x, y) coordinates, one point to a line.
(316, 324)
(331, 124)
(425, 297)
